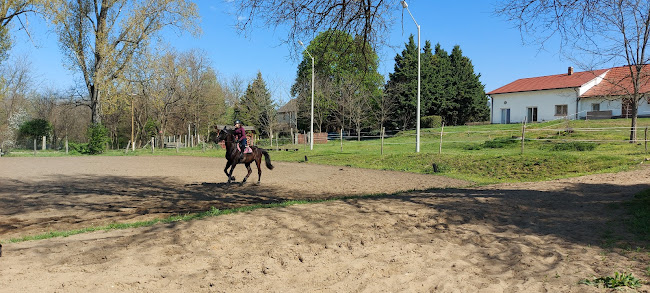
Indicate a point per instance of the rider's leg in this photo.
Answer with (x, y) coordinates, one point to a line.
(242, 147)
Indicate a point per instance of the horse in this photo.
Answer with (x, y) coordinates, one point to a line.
(232, 155)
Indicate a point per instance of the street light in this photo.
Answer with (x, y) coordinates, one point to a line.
(311, 125)
(417, 139)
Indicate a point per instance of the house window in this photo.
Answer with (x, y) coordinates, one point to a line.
(561, 110)
(532, 114)
(595, 107)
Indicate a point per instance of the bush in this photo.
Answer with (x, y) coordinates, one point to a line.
(81, 148)
(574, 146)
(498, 143)
(97, 139)
(431, 121)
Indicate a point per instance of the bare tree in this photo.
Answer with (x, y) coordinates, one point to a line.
(591, 32)
(369, 19)
(10, 11)
(14, 97)
(100, 38)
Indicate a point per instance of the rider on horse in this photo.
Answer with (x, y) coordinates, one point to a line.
(240, 135)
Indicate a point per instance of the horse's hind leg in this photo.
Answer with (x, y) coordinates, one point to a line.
(248, 167)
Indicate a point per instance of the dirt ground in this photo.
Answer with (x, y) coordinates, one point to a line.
(524, 237)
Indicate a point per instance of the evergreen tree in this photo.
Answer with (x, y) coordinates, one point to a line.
(467, 93)
(256, 107)
(449, 86)
(402, 85)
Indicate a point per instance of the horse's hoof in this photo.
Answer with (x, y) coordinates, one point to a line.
(258, 183)
(233, 178)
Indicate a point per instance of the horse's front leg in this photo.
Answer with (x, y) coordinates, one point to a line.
(248, 167)
(225, 170)
(230, 177)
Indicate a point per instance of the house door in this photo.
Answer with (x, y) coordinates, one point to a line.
(505, 116)
(532, 114)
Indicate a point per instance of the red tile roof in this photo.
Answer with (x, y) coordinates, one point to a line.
(617, 82)
(558, 81)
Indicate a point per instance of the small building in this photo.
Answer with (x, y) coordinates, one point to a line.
(288, 116)
(594, 94)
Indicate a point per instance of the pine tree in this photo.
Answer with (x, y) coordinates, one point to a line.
(256, 107)
(402, 86)
(449, 86)
(467, 95)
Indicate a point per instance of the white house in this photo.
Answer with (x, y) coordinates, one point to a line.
(574, 95)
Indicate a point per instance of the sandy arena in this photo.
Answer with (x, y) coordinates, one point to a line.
(524, 237)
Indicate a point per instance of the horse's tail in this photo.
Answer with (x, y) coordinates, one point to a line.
(267, 158)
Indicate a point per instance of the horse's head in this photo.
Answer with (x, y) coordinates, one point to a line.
(219, 135)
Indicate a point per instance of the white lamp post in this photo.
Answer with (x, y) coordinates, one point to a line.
(417, 138)
(311, 125)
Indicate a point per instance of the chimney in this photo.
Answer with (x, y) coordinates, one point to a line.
(570, 70)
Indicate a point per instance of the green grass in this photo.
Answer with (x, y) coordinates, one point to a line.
(639, 210)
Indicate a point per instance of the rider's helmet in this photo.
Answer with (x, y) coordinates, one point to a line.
(237, 122)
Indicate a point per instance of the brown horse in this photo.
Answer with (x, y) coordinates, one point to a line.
(232, 155)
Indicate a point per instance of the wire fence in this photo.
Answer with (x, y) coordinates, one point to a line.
(561, 131)
(468, 137)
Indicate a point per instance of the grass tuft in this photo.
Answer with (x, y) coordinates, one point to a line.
(617, 281)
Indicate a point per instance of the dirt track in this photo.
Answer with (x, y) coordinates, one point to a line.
(531, 237)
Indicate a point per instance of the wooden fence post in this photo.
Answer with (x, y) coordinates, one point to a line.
(126, 150)
(152, 144)
(34, 147)
(177, 142)
(341, 136)
(523, 135)
(645, 138)
(382, 140)
(44, 145)
(66, 145)
(442, 129)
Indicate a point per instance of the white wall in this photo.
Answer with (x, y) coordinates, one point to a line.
(609, 104)
(544, 100)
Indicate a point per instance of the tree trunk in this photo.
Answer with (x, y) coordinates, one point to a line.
(95, 106)
(634, 109)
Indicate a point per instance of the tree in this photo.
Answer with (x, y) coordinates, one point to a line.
(449, 86)
(346, 81)
(370, 20)
(101, 38)
(467, 101)
(402, 85)
(256, 106)
(9, 11)
(15, 89)
(35, 128)
(599, 31)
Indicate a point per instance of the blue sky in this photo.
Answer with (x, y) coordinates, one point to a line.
(494, 46)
